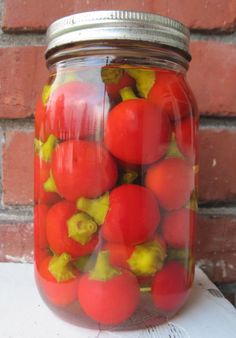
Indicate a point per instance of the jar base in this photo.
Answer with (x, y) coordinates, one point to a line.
(145, 316)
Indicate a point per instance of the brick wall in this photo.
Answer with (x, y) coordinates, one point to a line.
(212, 76)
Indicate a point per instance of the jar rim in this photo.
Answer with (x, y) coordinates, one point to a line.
(114, 25)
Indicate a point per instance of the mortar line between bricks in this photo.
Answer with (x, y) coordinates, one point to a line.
(217, 121)
(205, 123)
(19, 214)
(212, 211)
(17, 124)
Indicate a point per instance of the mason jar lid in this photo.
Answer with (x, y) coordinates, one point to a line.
(118, 25)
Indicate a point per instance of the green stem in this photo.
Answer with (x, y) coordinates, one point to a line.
(173, 150)
(193, 202)
(145, 79)
(45, 150)
(103, 271)
(96, 208)
(147, 258)
(111, 75)
(127, 93)
(81, 228)
(37, 146)
(60, 268)
(129, 177)
(84, 263)
(45, 94)
(145, 289)
(50, 184)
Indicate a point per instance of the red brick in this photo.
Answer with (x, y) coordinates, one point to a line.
(16, 243)
(216, 247)
(220, 267)
(23, 74)
(216, 234)
(212, 76)
(31, 15)
(197, 14)
(200, 14)
(217, 148)
(18, 168)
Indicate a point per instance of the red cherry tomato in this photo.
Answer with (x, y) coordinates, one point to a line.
(109, 302)
(40, 216)
(83, 168)
(137, 132)
(113, 89)
(41, 175)
(133, 215)
(60, 294)
(57, 231)
(169, 288)
(185, 131)
(119, 254)
(172, 181)
(74, 111)
(178, 228)
(40, 237)
(171, 94)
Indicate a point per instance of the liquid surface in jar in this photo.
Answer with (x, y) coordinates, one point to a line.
(115, 195)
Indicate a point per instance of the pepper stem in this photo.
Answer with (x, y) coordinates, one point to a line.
(129, 176)
(50, 184)
(60, 268)
(173, 150)
(145, 79)
(111, 75)
(37, 145)
(193, 202)
(96, 208)
(147, 258)
(84, 263)
(45, 94)
(46, 149)
(81, 228)
(103, 271)
(127, 93)
(145, 289)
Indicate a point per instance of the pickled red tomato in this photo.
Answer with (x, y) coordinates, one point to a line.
(170, 287)
(119, 253)
(41, 175)
(40, 114)
(40, 237)
(58, 293)
(57, 231)
(171, 94)
(137, 131)
(185, 131)
(133, 215)
(83, 168)
(107, 294)
(40, 216)
(74, 111)
(178, 228)
(172, 181)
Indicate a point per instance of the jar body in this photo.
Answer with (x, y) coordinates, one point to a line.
(115, 190)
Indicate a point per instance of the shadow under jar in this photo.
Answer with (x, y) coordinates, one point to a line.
(116, 171)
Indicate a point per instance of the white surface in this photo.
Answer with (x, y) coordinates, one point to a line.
(24, 315)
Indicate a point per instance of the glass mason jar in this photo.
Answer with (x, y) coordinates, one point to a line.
(116, 170)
